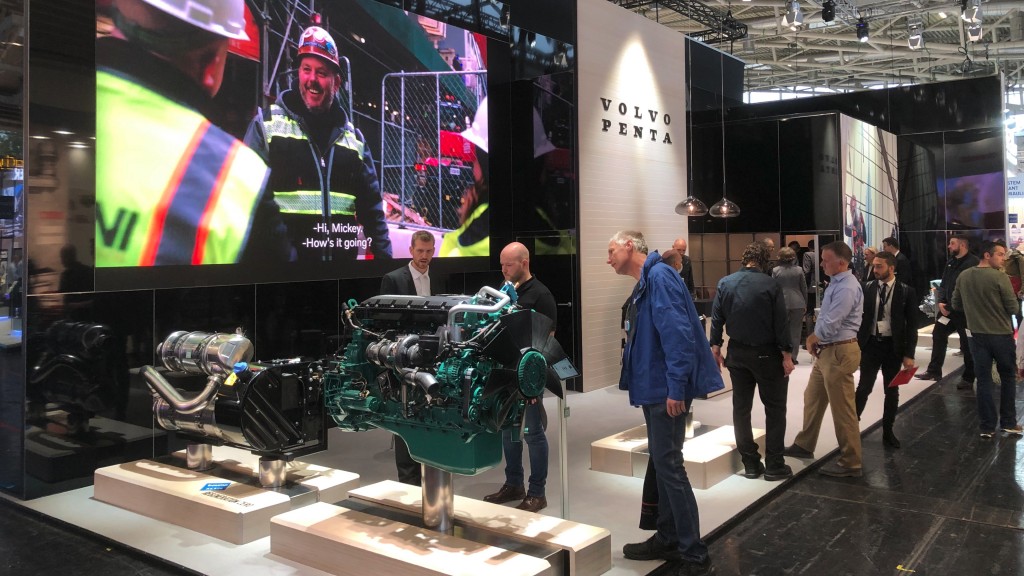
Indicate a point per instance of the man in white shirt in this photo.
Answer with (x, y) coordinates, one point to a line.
(887, 338)
(413, 279)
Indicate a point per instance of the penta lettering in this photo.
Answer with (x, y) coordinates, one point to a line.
(638, 132)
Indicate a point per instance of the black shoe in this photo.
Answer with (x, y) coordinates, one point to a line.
(775, 474)
(705, 568)
(506, 494)
(533, 503)
(753, 470)
(798, 452)
(890, 440)
(964, 385)
(651, 549)
(929, 376)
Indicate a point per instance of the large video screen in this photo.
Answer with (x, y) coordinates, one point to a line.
(870, 209)
(293, 146)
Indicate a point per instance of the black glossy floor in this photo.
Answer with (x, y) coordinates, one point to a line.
(948, 503)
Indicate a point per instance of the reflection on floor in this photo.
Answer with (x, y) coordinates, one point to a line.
(948, 502)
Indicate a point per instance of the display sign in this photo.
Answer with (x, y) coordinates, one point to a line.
(349, 155)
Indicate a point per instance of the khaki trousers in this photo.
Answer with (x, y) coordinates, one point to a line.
(831, 385)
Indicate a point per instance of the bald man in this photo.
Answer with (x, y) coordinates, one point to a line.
(515, 267)
(687, 272)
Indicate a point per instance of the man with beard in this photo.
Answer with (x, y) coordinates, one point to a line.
(949, 320)
(887, 338)
(532, 295)
(322, 173)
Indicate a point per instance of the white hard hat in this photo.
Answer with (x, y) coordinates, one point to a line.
(477, 132)
(221, 17)
(541, 144)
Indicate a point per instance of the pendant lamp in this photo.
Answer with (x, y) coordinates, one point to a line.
(724, 208)
(691, 205)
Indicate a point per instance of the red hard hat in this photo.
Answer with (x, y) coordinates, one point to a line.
(316, 41)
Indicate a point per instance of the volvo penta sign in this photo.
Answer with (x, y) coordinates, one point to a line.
(642, 123)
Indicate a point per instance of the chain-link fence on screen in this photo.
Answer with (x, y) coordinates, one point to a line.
(426, 164)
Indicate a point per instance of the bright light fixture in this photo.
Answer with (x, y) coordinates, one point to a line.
(794, 17)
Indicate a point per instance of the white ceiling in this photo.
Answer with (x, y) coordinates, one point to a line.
(829, 55)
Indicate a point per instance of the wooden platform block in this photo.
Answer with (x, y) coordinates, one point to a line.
(328, 484)
(712, 456)
(238, 513)
(352, 543)
(709, 457)
(614, 454)
(588, 547)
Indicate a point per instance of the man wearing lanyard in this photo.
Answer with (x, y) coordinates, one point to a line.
(887, 337)
(837, 356)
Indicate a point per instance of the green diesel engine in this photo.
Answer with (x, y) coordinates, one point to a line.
(446, 373)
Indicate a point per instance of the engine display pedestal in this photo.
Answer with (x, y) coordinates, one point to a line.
(709, 457)
(587, 549)
(225, 502)
(355, 542)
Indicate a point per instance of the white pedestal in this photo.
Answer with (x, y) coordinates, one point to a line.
(225, 502)
(238, 514)
(330, 485)
(709, 458)
(588, 547)
(352, 543)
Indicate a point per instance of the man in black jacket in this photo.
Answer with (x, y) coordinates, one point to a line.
(413, 280)
(887, 338)
(903, 270)
(515, 267)
(949, 320)
(751, 305)
(322, 173)
(687, 271)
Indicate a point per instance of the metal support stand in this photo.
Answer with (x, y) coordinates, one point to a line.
(272, 472)
(199, 456)
(438, 500)
(563, 451)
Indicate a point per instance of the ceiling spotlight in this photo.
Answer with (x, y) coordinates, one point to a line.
(971, 11)
(828, 11)
(794, 17)
(974, 32)
(915, 33)
(862, 30)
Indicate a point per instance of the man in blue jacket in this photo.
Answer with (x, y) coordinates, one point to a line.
(667, 363)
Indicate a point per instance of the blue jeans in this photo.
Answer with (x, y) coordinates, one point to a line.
(678, 521)
(538, 443)
(999, 347)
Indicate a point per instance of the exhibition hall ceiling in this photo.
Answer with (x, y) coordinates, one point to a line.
(831, 55)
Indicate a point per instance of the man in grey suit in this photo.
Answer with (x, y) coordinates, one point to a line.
(413, 279)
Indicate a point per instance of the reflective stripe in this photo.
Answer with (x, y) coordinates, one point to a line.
(156, 225)
(311, 202)
(199, 252)
(283, 126)
(185, 210)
